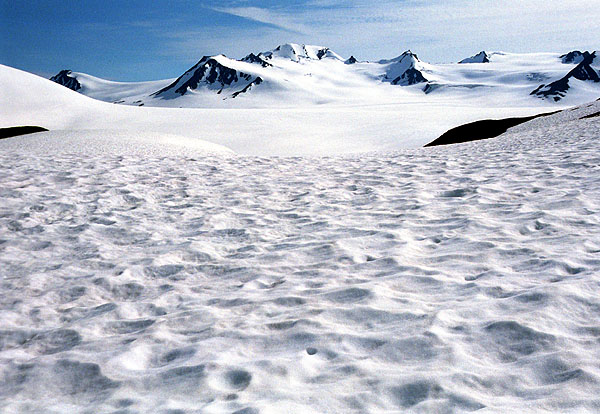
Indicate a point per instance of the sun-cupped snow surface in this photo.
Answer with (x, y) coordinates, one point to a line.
(451, 279)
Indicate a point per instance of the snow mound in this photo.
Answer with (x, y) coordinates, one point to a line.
(111, 142)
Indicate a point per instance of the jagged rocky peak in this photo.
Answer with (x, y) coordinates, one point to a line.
(481, 57)
(208, 71)
(584, 71)
(295, 52)
(63, 78)
(252, 58)
(350, 61)
(404, 70)
(574, 56)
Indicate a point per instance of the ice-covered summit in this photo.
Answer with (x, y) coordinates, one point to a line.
(481, 57)
(295, 52)
(404, 70)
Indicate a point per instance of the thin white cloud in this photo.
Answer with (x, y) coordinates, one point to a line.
(283, 20)
(438, 30)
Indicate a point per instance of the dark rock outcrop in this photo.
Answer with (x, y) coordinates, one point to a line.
(255, 82)
(208, 71)
(19, 130)
(412, 76)
(63, 78)
(484, 129)
(252, 58)
(572, 57)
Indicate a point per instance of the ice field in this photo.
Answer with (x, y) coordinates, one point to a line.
(157, 278)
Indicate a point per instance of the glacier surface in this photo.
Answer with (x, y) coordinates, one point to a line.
(450, 279)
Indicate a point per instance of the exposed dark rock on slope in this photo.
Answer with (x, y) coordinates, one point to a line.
(19, 130)
(594, 115)
(252, 58)
(255, 82)
(572, 57)
(411, 76)
(208, 70)
(558, 89)
(484, 129)
(64, 79)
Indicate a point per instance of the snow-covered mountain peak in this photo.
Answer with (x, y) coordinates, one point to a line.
(481, 57)
(216, 72)
(405, 57)
(586, 70)
(295, 52)
(404, 70)
(295, 73)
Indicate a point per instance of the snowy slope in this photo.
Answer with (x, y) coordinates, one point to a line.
(105, 90)
(299, 75)
(452, 279)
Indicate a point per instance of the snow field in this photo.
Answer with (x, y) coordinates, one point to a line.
(449, 279)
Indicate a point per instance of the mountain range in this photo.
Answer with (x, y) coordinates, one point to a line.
(294, 74)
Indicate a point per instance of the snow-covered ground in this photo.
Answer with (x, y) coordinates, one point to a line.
(448, 279)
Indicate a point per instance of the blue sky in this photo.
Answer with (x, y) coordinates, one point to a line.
(144, 40)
